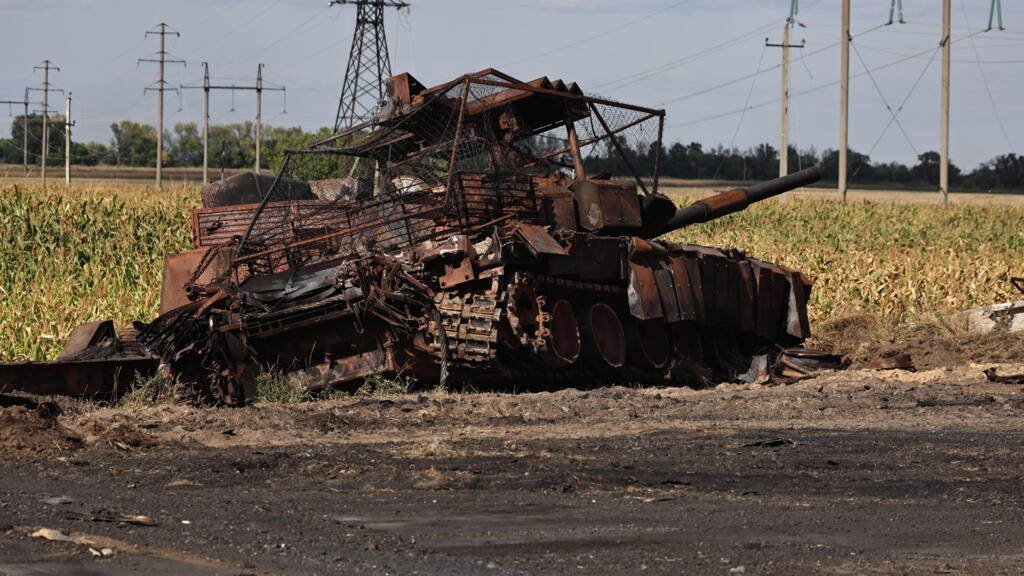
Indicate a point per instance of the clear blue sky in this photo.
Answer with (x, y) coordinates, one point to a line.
(634, 50)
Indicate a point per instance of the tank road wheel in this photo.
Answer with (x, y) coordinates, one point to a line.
(730, 352)
(604, 337)
(649, 345)
(563, 334)
(687, 348)
(548, 330)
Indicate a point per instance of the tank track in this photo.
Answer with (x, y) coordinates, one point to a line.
(480, 338)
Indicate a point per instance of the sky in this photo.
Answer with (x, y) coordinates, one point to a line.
(705, 62)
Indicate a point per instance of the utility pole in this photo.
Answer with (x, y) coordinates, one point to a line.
(258, 87)
(206, 119)
(259, 113)
(944, 136)
(784, 132)
(68, 123)
(844, 98)
(24, 127)
(160, 88)
(46, 67)
(368, 63)
(206, 122)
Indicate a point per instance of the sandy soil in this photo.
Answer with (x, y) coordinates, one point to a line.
(857, 472)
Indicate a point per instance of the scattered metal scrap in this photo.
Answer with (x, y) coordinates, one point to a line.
(470, 232)
(992, 375)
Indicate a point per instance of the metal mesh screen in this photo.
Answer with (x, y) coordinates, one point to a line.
(457, 156)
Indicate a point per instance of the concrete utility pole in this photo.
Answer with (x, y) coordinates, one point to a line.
(258, 87)
(24, 128)
(784, 131)
(46, 67)
(944, 144)
(67, 139)
(160, 88)
(844, 98)
(259, 113)
(206, 122)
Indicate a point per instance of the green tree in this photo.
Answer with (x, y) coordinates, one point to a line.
(133, 144)
(185, 145)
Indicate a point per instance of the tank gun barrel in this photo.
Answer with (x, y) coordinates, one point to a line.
(735, 200)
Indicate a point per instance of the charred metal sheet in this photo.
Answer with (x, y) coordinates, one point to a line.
(686, 278)
(199, 266)
(642, 293)
(85, 336)
(538, 241)
(599, 257)
(772, 299)
(75, 377)
(603, 204)
(797, 324)
(345, 370)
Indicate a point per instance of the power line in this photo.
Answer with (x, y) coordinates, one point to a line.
(894, 114)
(258, 87)
(796, 94)
(598, 35)
(746, 103)
(644, 74)
(981, 72)
(976, 60)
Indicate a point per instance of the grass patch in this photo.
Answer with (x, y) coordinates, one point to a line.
(379, 384)
(276, 387)
(146, 391)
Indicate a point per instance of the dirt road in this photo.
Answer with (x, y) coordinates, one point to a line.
(847, 473)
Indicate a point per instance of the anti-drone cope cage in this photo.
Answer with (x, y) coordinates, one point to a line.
(442, 161)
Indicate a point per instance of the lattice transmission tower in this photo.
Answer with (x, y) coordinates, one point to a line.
(368, 63)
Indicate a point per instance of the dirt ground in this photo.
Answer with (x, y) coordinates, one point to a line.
(856, 472)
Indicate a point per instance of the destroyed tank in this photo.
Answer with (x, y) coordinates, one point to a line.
(484, 231)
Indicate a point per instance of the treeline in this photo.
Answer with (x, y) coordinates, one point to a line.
(134, 144)
(233, 146)
(692, 161)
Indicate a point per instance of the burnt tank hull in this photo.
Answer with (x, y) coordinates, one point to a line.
(450, 243)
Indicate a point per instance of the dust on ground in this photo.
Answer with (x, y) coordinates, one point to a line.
(854, 472)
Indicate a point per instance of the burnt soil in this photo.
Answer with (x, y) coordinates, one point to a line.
(857, 472)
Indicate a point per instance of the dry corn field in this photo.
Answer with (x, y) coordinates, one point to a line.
(96, 252)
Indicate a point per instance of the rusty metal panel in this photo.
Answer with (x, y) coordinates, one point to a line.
(714, 275)
(642, 292)
(797, 324)
(686, 273)
(604, 204)
(179, 269)
(599, 257)
(74, 377)
(772, 295)
(667, 290)
(538, 241)
(457, 274)
(744, 287)
(85, 335)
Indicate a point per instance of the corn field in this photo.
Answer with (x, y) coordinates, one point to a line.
(88, 255)
(96, 252)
